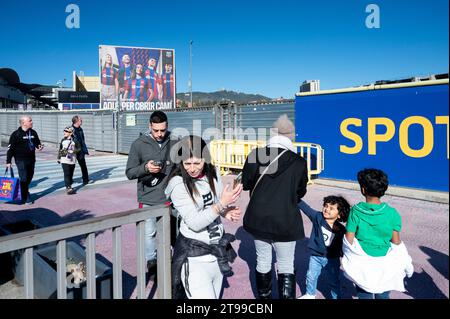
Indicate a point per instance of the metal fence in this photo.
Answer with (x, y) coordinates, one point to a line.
(115, 131)
(231, 154)
(181, 122)
(260, 117)
(60, 233)
(98, 126)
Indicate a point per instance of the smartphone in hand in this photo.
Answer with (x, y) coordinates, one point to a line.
(158, 163)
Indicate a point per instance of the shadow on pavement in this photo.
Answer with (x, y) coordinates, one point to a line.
(34, 183)
(247, 253)
(422, 286)
(437, 259)
(96, 176)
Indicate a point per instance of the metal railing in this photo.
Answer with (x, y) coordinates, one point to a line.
(28, 240)
(231, 154)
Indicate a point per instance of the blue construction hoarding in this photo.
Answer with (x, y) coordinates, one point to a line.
(403, 131)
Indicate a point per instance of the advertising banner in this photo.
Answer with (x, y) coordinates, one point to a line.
(402, 131)
(136, 79)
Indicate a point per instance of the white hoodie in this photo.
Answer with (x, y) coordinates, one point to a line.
(68, 145)
(198, 220)
(377, 274)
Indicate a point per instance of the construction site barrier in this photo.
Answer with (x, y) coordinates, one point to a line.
(230, 155)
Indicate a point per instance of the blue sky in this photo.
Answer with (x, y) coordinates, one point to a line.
(265, 47)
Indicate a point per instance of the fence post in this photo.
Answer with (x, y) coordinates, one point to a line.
(61, 269)
(115, 123)
(28, 273)
(164, 258)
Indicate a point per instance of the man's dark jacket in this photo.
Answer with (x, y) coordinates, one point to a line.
(150, 187)
(20, 146)
(79, 137)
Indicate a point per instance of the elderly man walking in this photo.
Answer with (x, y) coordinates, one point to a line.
(22, 145)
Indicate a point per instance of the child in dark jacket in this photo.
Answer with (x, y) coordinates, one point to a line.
(325, 243)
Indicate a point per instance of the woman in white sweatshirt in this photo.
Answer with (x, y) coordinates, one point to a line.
(67, 157)
(202, 251)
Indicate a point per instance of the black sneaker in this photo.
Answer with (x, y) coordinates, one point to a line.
(88, 182)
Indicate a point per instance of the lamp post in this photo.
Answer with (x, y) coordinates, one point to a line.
(190, 70)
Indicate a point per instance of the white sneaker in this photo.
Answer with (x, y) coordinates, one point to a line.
(306, 296)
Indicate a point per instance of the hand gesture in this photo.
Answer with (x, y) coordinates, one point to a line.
(229, 196)
(233, 214)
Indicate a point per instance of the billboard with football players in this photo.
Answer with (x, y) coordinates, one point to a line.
(134, 79)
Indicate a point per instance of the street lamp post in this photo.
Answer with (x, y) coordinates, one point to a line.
(190, 70)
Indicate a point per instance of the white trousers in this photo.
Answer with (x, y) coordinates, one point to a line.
(204, 278)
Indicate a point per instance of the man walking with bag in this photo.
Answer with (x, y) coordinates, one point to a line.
(22, 145)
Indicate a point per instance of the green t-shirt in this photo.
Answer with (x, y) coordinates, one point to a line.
(373, 225)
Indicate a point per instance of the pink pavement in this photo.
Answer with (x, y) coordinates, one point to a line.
(425, 233)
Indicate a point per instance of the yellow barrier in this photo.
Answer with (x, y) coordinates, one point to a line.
(231, 154)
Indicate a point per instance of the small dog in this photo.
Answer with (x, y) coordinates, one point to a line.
(78, 271)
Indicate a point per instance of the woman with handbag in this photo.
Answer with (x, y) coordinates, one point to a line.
(202, 251)
(68, 148)
(276, 178)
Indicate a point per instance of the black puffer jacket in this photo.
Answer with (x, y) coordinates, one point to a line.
(272, 212)
(188, 247)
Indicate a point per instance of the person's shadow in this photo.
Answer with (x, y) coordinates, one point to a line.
(437, 259)
(96, 176)
(36, 182)
(422, 286)
(247, 253)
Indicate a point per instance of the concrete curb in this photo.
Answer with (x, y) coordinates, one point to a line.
(414, 193)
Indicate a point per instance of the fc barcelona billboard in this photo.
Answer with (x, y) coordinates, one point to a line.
(136, 79)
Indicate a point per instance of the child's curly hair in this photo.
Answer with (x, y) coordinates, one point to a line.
(374, 181)
(342, 205)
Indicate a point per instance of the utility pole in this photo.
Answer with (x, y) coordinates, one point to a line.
(190, 70)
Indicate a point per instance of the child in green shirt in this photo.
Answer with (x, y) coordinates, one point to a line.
(373, 223)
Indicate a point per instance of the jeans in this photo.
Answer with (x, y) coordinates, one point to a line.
(362, 294)
(332, 266)
(284, 252)
(84, 171)
(26, 173)
(150, 237)
(68, 170)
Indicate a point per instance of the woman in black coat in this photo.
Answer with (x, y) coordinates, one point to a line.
(276, 177)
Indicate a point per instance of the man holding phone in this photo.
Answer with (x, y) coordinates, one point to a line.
(149, 163)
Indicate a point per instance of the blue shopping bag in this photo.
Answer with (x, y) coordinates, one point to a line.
(10, 187)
